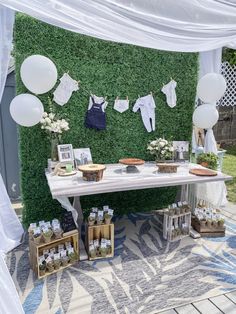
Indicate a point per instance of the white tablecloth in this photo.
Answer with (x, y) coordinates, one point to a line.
(11, 229)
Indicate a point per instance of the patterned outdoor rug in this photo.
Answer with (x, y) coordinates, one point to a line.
(146, 275)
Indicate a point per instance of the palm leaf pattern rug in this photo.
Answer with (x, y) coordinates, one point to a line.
(146, 275)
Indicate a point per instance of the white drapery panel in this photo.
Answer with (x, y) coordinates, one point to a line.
(9, 299)
(190, 26)
(6, 30)
(11, 229)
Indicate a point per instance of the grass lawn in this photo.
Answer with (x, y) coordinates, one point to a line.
(229, 167)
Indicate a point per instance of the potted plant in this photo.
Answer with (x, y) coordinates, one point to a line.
(107, 218)
(58, 232)
(215, 223)
(161, 149)
(73, 257)
(209, 223)
(50, 266)
(47, 235)
(57, 264)
(203, 223)
(37, 237)
(221, 222)
(65, 261)
(42, 269)
(91, 221)
(103, 251)
(208, 160)
(92, 252)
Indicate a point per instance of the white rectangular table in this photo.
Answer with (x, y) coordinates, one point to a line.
(117, 179)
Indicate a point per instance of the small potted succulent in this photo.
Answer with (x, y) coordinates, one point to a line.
(221, 222)
(208, 160)
(107, 218)
(58, 232)
(73, 257)
(65, 261)
(209, 223)
(50, 266)
(215, 223)
(57, 264)
(203, 223)
(47, 235)
(103, 251)
(42, 269)
(92, 253)
(91, 221)
(99, 220)
(37, 237)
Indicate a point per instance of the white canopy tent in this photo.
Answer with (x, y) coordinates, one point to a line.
(203, 26)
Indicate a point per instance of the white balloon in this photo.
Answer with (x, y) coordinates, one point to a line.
(26, 109)
(205, 116)
(211, 87)
(38, 73)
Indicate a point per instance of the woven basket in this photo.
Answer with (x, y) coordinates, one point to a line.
(167, 168)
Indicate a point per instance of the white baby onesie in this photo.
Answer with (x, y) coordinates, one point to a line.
(121, 105)
(147, 107)
(169, 91)
(64, 90)
(98, 100)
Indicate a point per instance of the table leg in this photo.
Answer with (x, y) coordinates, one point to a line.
(77, 214)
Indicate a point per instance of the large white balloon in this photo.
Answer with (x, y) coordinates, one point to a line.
(38, 73)
(211, 87)
(26, 109)
(205, 116)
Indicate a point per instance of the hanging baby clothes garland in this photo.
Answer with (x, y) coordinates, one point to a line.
(169, 91)
(147, 107)
(121, 105)
(95, 115)
(65, 89)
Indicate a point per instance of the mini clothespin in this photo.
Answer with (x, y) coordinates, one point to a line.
(127, 98)
(68, 72)
(117, 97)
(105, 97)
(78, 82)
(138, 96)
(151, 93)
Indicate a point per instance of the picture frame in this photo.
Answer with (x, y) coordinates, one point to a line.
(181, 151)
(65, 153)
(82, 156)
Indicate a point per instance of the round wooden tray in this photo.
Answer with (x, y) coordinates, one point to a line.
(67, 174)
(91, 168)
(131, 161)
(203, 172)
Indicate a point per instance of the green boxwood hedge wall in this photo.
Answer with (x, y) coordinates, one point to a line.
(105, 69)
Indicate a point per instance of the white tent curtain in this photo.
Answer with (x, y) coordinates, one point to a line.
(6, 30)
(190, 26)
(9, 299)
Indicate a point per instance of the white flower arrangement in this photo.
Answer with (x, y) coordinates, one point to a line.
(53, 125)
(161, 149)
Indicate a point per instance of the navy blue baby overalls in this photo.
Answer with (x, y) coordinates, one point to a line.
(95, 117)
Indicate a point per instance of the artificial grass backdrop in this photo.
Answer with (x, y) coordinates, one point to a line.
(105, 69)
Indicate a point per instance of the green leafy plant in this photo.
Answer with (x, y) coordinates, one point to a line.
(208, 160)
(161, 149)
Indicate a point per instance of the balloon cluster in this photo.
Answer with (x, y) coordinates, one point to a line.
(39, 75)
(211, 87)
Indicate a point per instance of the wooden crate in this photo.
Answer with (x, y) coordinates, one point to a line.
(36, 250)
(98, 232)
(170, 221)
(208, 231)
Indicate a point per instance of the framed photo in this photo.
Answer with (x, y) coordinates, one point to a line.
(65, 153)
(181, 150)
(82, 156)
